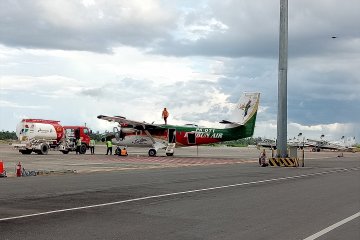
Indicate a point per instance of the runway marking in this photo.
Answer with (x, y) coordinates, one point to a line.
(178, 193)
(332, 227)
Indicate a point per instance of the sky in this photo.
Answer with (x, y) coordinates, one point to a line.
(72, 60)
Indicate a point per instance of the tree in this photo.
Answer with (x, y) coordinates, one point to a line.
(6, 135)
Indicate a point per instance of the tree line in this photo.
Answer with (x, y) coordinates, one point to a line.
(6, 135)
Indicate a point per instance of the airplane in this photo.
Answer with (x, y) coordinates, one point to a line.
(267, 143)
(241, 124)
(271, 143)
(340, 145)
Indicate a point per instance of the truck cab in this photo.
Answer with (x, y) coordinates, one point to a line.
(74, 132)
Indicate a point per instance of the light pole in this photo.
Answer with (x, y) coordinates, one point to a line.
(282, 83)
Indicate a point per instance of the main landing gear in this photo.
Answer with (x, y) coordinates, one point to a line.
(169, 149)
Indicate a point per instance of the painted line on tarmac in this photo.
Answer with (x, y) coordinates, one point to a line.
(332, 227)
(179, 193)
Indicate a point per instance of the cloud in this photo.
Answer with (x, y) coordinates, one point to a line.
(7, 104)
(95, 26)
(45, 86)
(250, 29)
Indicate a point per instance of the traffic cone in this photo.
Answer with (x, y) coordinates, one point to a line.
(2, 169)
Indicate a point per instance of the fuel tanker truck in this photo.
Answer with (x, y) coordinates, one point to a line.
(39, 136)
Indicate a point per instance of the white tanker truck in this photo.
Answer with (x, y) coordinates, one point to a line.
(39, 135)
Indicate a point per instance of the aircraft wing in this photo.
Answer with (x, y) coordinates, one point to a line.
(126, 122)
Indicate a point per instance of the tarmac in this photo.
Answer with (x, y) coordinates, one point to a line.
(200, 193)
(56, 162)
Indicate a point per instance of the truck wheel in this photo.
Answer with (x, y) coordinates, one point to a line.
(169, 154)
(82, 149)
(65, 151)
(152, 152)
(44, 149)
(27, 151)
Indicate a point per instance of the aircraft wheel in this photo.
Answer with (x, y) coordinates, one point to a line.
(169, 154)
(152, 152)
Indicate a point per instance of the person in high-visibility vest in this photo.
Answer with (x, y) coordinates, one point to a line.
(78, 144)
(165, 115)
(92, 146)
(109, 147)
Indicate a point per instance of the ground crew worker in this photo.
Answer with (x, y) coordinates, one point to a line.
(123, 152)
(165, 115)
(78, 145)
(92, 146)
(262, 159)
(109, 147)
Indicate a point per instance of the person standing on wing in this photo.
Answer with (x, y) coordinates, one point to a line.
(165, 115)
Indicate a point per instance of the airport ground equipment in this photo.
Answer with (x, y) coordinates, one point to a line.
(39, 136)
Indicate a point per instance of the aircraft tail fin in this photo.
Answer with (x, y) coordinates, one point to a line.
(244, 114)
(245, 109)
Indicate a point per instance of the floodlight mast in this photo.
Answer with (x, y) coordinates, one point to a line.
(281, 143)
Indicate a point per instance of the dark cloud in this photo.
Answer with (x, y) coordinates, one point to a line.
(217, 28)
(71, 25)
(253, 29)
(314, 96)
(93, 92)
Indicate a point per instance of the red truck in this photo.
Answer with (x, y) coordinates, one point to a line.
(40, 135)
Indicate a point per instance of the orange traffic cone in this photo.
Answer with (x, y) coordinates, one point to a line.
(2, 169)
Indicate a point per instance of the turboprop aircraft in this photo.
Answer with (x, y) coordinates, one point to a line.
(160, 136)
(340, 145)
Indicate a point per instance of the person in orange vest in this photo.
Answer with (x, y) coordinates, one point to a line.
(165, 115)
(123, 152)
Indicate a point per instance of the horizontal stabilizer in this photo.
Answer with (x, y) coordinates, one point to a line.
(228, 122)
